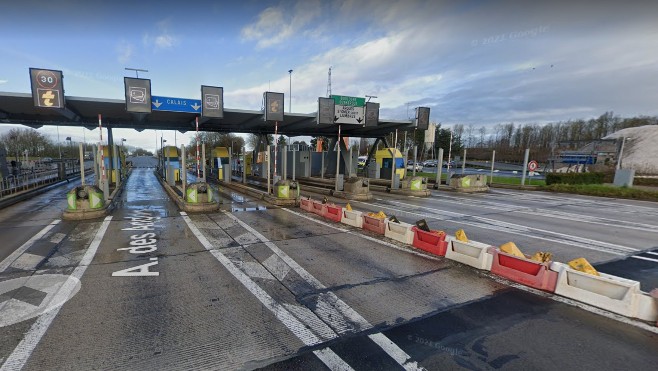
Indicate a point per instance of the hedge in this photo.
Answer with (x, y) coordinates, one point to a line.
(574, 178)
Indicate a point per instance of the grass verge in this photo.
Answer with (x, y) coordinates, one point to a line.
(603, 190)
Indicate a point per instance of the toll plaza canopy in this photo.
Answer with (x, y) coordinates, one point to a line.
(19, 108)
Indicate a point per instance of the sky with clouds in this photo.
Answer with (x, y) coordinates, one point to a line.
(479, 62)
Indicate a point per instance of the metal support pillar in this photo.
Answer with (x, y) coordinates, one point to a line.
(439, 167)
(82, 165)
(203, 161)
(183, 175)
(244, 166)
(493, 161)
(525, 165)
(267, 158)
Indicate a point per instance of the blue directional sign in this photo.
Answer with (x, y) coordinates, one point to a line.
(175, 104)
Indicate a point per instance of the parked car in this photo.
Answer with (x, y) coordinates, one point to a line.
(410, 166)
(430, 163)
(445, 164)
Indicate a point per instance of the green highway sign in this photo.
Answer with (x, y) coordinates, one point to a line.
(342, 100)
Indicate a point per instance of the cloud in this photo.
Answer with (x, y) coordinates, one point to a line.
(124, 51)
(163, 38)
(3, 81)
(277, 24)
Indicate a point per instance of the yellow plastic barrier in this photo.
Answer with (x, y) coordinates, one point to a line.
(460, 235)
(582, 265)
(510, 248)
(542, 257)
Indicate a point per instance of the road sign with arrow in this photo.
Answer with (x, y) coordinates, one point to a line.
(349, 110)
(176, 104)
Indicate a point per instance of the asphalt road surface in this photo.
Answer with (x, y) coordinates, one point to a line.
(150, 287)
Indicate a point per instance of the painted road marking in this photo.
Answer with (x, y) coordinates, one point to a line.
(30, 296)
(13, 256)
(27, 261)
(522, 230)
(23, 351)
(499, 206)
(308, 337)
(643, 258)
(503, 281)
(331, 308)
(651, 252)
(140, 243)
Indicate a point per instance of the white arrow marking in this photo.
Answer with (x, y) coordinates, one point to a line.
(196, 107)
(157, 103)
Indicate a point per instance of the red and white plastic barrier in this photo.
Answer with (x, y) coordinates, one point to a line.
(612, 293)
(373, 224)
(333, 212)
(431, 242)
(353, 218)
(471, 253)
(399, 231)
(524, 271)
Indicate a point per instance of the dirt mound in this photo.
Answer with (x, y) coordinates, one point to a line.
(640, 149)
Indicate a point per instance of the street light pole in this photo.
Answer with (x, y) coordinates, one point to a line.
(290, 93)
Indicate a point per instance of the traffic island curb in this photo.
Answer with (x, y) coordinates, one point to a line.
(188, 207)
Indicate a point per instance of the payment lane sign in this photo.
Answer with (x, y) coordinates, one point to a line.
(349, 110)
(422, 118)
(138, 95)
(273, 106)
(47, 88)
(326, 110)
(212, 101)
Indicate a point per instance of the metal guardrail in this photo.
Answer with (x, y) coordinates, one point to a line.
(30, 180)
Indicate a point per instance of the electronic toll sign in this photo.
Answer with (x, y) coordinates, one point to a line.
(138, 95)
(47, 88)
(212, 101)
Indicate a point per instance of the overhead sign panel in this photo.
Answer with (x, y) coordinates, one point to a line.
(212, 101)
(349, 110)
(138, 94)
(171, 104)
(372, 114)
(326, 110)
(422, 118)
(273, 106)
(430, 133)
(47, 88)
(344, 100)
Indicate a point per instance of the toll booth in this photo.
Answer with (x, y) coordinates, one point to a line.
(220, 163)
(385, 163)
(117, 165)
(170, 157)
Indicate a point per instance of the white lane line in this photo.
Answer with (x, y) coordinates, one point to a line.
(391, 348)
(651, 252)
(399, 355)
(521, 230)
(280, 312)
(643, 258)
(499, 206)
(13, 256)
(24, 350)
(332, 360)
(574, 303)
(501, 280)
